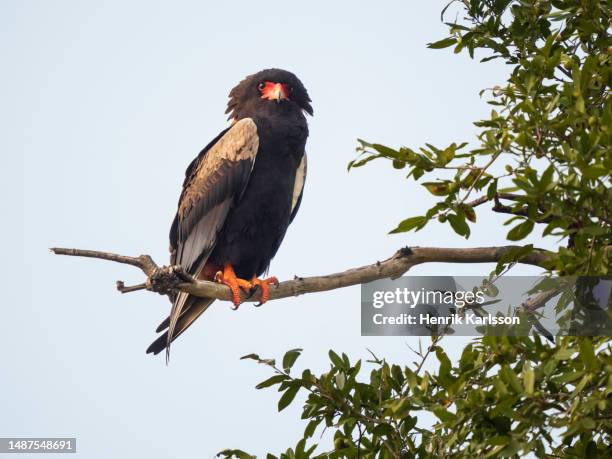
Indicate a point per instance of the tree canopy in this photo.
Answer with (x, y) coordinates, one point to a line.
(543, 157)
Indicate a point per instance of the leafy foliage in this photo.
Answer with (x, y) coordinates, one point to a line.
(544, 158)
(545, 148)
(506, 396)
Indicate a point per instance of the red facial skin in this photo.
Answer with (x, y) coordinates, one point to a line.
(274, 91)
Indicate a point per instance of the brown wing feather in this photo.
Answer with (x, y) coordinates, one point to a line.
(218, 180)
(214, 182)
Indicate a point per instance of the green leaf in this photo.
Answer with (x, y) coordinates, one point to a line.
(587, 355)
(311, 427)
(290, 358)
(546, 180)
(489, 288)
(568, 377)
(593, 172)
(410, 422)
(250, 357)
(382, 430)
(528, 378)
(499, 440)
(276, 379)
(238, 453)
(468, 212)
(336, 359)
(512, 255)
(288, 396)
(446, 156)
(445, 43)
(401, 408)
(492, 189)
(564, 354)
(386, 151)
(438, 188)
(520, 231)
(408, 224)
(510, 377)
(361, 162)
(459, 225)
(444, 415)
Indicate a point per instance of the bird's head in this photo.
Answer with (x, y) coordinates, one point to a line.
(268, 91)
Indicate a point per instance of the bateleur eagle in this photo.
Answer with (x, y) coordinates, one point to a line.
(239, 195)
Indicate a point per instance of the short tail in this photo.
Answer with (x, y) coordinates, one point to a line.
(192, 308)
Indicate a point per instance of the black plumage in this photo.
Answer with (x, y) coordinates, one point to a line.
(241, 192)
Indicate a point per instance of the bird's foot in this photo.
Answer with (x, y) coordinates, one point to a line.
(165, 279)
(264, 285)
(228, 277)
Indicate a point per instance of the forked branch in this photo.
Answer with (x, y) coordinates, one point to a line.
(165, 279)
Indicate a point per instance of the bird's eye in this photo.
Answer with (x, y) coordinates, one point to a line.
(290, 88)
(261, 86)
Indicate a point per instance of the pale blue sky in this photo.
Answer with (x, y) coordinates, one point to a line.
(103, 106)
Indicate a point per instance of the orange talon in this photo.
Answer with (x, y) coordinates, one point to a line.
(228, 277)
(264, 284)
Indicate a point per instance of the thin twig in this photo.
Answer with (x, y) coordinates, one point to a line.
(434, 342)
(483, 199)
(130, 288)
(482, 171)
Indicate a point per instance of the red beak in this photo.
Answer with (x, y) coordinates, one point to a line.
(274, 91)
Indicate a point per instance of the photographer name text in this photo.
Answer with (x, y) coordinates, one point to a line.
(468, 318)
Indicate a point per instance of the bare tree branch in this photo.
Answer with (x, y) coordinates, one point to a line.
(500, 208)
(165, 279)
(144, 262)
